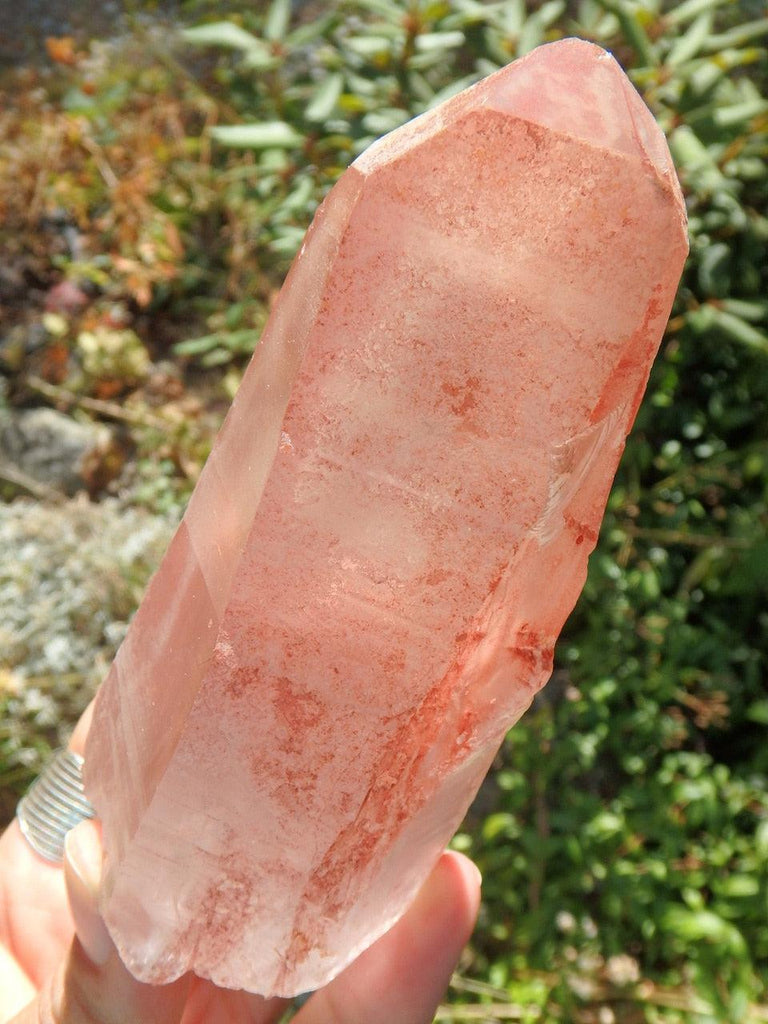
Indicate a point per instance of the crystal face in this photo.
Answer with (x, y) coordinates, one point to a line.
(390, 531)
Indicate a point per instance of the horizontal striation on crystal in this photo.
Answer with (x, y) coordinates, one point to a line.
(392, 527)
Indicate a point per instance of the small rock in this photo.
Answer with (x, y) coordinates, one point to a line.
(52, 448)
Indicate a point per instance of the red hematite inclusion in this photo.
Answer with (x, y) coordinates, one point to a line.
(390, 531)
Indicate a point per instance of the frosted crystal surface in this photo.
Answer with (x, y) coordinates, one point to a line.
(390, 531)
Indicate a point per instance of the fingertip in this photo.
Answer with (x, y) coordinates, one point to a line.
(80, 732)
(404, 975)
(467, 878)
(93, 985)
(82, 873)
(449, 900)
(83, 853)
(468, 868)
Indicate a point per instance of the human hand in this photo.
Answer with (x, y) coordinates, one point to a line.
(58, 962)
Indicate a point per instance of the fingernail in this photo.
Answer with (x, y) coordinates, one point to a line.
(82, 870)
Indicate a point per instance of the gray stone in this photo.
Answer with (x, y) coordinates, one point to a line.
(51, 448)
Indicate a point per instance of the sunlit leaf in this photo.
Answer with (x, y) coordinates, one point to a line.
(221, 33)
(430, 41)
(325, 98)
(740, 113)
(679, 14)
(277, 20)
(267, 135)
(689, 44)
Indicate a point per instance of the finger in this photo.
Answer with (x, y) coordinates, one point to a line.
(93, 986)
(83, 993)
(80, 732)
(207, 1004)
(16, 990)
(37, 926)
(39, 931)
(404, 975)
(82, 873)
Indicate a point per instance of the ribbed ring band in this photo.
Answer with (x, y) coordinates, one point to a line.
(54, 804)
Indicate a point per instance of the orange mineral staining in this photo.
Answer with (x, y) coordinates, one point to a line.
(392, 527)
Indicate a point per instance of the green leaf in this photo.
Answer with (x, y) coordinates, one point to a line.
(77, 102)
(287, 240)
(277, 20)
(629, 20)
(469, 12)
(325, 98)
(550, 11)
(754, 311)
(300, 198)
(679, 14)
(462, 842)
(196, 346)
(689, 44)
(221, 33)
(531, 36)
(384, 8)
(265, 135)
(452, 90)
(219, 347)
(532, 31)
(739, 113)
(369, 46)
(747, 32)
(216, 357)
(310, 31)
(605, 825)
(761, 837)
(758, 712)
(693, 157)
(702, 926)
(714, 264)
(513, 16)
(423, 93)
(741, 331)
(385, 120)
(262, 58)
(428, 42)
(738, 887)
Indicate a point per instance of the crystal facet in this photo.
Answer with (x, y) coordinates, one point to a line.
(390, 531)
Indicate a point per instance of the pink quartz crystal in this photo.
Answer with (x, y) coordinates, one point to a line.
(391, 529)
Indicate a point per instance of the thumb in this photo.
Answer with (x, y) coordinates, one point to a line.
(93, 986)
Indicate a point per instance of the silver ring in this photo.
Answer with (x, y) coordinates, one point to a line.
(54, 804)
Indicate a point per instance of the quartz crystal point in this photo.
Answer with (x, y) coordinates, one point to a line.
(390, 531)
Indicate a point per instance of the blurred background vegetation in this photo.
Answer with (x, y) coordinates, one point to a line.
(154, 186)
